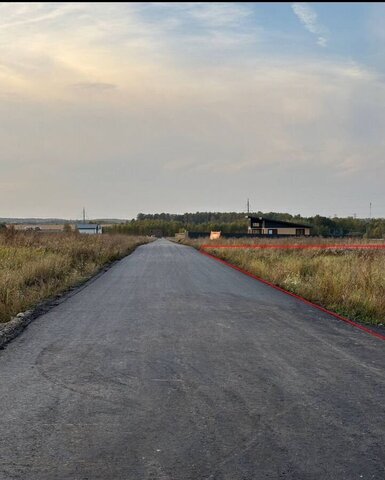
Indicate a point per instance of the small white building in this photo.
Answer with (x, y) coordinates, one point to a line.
(89, 228)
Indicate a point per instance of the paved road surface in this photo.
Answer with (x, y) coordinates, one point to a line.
(172, 366)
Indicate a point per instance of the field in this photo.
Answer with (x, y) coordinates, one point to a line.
(36, 266)
(351, 283)
(45, 227)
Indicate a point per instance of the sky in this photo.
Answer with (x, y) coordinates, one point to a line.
(182, 107)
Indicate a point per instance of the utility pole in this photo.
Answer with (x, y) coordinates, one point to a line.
(370, 219)
(248, 206)
(84, 215)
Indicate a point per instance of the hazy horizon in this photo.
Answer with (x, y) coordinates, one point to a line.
(112, 218)
(143, 107)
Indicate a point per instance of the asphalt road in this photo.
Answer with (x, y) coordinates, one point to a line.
(172, 366)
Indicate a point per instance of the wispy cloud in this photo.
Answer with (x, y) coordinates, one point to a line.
(309, 18)
(94, 86)
(219, 14)
(14, 15)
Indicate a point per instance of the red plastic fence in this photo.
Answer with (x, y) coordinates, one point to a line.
(325, 246)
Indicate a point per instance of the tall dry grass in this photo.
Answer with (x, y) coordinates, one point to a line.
(35, 266)
(348, 282)
(279, 241)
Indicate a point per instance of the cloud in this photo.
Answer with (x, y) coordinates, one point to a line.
(94, 86)
(309, 18)
(22, 14)
(219, 14)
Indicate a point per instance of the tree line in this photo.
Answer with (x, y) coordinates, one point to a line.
(168, 224)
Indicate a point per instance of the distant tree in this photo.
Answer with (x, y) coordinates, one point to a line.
(67, 228)
(10, 232)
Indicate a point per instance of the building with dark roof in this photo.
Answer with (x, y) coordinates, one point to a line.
(266, 226)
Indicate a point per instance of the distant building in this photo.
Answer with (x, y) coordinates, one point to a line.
(266, 226)
(89, 228)
(215, 235)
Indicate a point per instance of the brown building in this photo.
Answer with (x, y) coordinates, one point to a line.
(266, 226)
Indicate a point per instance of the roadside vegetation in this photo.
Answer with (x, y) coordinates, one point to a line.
(35, 266)
(348, 282)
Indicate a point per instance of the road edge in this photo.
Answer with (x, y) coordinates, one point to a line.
(14, 327)
(354, 324)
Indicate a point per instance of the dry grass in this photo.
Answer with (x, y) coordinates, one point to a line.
(279, 241)
(351, 283)
(37, 266)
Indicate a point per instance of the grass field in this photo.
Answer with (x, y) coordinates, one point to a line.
(351, 283)
(35, 266)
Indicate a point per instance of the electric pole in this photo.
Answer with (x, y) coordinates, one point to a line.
(248, 206)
